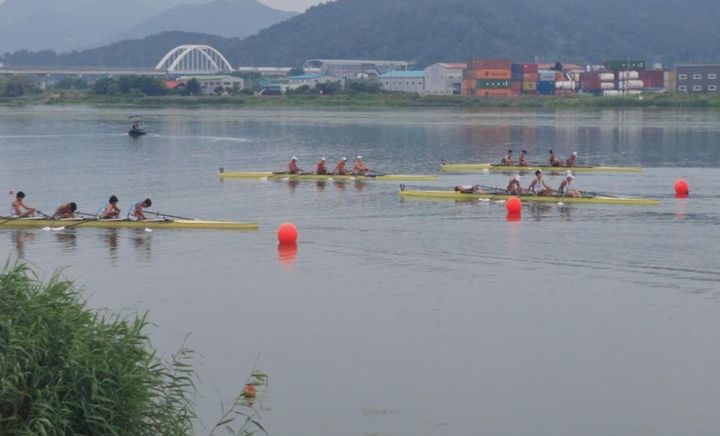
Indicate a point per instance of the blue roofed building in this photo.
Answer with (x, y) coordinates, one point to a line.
(404, 81)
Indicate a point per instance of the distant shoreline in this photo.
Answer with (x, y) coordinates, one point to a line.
(389, 100)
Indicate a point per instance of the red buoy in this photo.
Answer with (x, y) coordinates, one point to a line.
(682, 188)
(514, 206)
(287, 233)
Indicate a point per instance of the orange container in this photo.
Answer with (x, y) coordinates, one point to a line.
(530, 77)
(468, 87)
(529, 86)
(494, 93)
(492, 74)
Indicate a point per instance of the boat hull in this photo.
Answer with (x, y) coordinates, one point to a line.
(504, 168)
(452, 195)
(266, 175)
(30, 223)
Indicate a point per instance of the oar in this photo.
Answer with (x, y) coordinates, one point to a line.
(169, 216)
(599, 194)
(374, 174)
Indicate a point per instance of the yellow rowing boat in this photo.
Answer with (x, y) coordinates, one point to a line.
(453, 195)
(267, 175)
(29, 223)
(463, 167)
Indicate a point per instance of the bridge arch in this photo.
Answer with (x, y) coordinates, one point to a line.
(194, 59)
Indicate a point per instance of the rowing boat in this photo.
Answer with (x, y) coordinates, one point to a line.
(267, 175)
(19, 223)
(453, 195)
(460, 167)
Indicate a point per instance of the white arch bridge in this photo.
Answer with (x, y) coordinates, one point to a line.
(194, 59)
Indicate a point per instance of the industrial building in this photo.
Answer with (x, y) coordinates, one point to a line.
(208, 84)
(354, 69)
(697, 78)
(310, 80)
(404, 81)
(444, 78)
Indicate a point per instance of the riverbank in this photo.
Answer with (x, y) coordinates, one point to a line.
(385, 100)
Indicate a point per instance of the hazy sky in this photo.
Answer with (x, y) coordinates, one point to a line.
(292, 5)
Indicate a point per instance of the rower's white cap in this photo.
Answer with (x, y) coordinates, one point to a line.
(293, 158)
(574, 153)
(517, 177)
(569, 176)
(322, 159)
(344, 158)
(359, 157)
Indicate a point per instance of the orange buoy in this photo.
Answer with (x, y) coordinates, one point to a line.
(287, 233)
(514, 206)
(682, 188)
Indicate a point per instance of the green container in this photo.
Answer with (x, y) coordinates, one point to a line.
(493, 84)
(626, 65)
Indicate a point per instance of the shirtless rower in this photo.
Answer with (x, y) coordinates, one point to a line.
(522, 162)
(18, 208)
(65, 211)
(469, 189)
(552, 160)
(293, 167)
(320, 167)
(570, 162)
(360, 168)
(508, 159)
(341, 167)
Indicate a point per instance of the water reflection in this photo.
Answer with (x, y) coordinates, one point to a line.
(539, 211)
(67, 239)
(110, 239)
(19, 239)
(287, 254)
(142, 242)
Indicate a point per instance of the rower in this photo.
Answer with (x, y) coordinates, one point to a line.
(137, 211)
(538, 185)
(340, 167)
(111, 211)
(507, 160)
(292, 166)
(18, 208)
(564, 189)
(522, 162)
(469, 189)
(570, 162)
(65, 211)
(514, 187)
(552, 160)
(360, 168)
(320, 167)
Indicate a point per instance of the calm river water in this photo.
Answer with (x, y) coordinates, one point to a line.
(400, 317)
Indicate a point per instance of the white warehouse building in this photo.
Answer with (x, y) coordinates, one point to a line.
(444, 78)
(404, 81)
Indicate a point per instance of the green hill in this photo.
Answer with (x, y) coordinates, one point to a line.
(428, 31)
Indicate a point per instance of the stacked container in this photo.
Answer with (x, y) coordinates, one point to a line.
(490, 77)
(529, 79)
(654, 79)
(516, 79)
(625, 65)
(546, 82)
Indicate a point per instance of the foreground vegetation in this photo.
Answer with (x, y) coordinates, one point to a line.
(363, 100)
(67, 370)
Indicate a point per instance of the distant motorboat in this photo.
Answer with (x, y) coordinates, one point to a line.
(136, 126)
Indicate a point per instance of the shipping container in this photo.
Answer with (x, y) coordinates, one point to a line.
(492, 84)
(546, 76)
(611, 93)
(491, 64)
(566, 84)
(491, 74)
(628, 75)
(529, 86)
(494, 93)
(516, 77)
(591, 82)
(654, 79)
(530, 77)
(607, 85)
(559, 76)
(516, 86)
(630, 84)
(546, 87)
(607, 77)
(530, 68)
(468, 87)
(623, 65)
(516, 68)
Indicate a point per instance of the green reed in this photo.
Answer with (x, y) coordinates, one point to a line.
(66, 369)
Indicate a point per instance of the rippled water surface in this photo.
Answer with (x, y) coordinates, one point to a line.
(402, 317)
